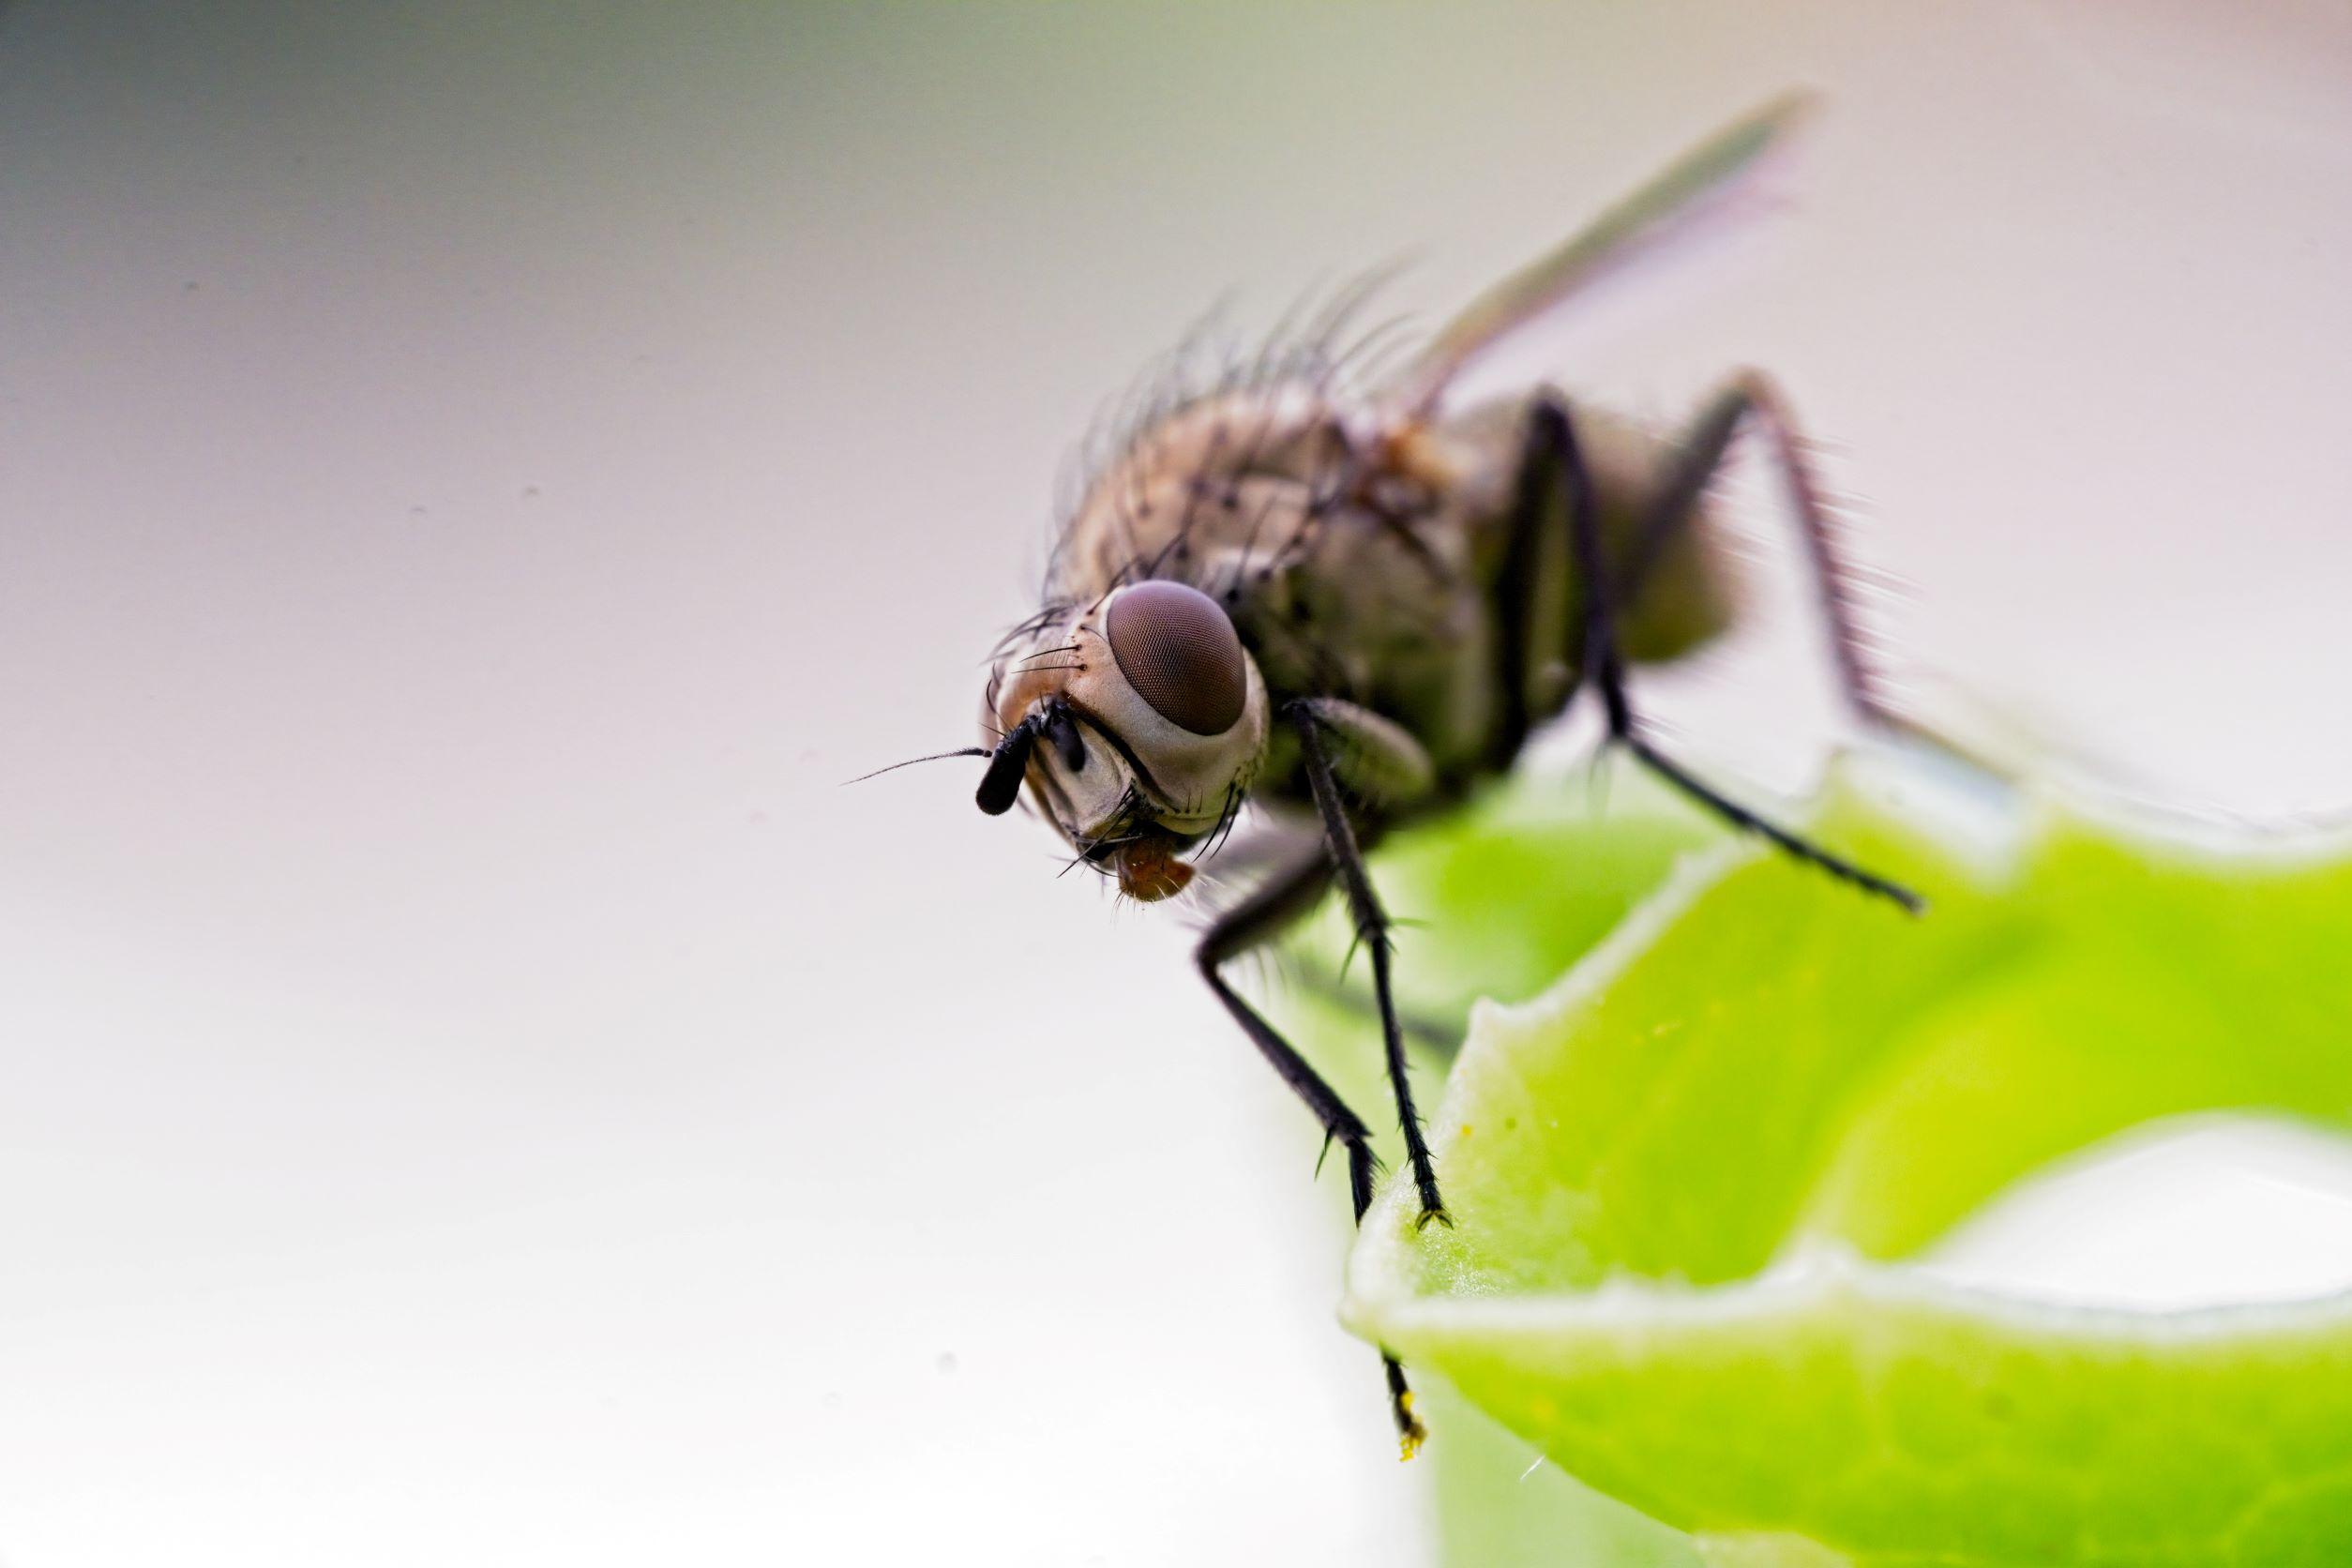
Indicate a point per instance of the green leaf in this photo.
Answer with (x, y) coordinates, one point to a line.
(1498, 901)
(1683, 1177)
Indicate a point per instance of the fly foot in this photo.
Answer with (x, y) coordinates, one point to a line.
(1432, 1206)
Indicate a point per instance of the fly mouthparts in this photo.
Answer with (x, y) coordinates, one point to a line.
(1148, 872)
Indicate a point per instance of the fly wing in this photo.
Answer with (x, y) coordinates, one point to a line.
(1669, 203)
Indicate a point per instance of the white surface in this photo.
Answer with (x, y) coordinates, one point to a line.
(476, 479)
(2194, 1211)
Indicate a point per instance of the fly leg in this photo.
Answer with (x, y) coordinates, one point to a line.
(1283, 900)
(1276, 904)
(1754, 400)
(1551, 430)
(1318, 723)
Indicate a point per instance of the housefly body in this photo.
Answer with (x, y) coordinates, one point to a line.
(1359, 604)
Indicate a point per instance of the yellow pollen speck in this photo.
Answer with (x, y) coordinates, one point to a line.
(1466, 1129)
(1414, 1435)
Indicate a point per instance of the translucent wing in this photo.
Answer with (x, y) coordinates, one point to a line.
(1689, 187)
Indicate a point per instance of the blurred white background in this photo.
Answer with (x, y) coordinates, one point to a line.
(477, 1090)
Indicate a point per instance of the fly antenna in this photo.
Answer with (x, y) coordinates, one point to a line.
(934, 757)
(1007, 764)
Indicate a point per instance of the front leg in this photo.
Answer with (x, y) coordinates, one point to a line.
(1285, 898)
(1386, 753)
(1273, 907)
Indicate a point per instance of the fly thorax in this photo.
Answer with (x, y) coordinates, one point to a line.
(1235, 472)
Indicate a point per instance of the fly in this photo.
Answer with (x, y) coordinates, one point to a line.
(1359, 605)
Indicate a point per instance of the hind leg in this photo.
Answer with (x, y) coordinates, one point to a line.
(1754, 401)
(1553, 451)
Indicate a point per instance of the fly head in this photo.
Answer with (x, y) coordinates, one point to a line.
(1136, 722)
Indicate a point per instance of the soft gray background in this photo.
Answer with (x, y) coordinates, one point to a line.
(473, 479)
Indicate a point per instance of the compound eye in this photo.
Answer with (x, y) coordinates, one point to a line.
(1179, 650)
